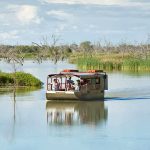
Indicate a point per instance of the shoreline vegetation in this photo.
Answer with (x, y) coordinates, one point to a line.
(86, 55)
(113, 62)
(22, 80)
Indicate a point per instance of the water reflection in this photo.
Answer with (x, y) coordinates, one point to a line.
(76, 112)
(19, 91)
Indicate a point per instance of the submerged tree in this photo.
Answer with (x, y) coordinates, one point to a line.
(51, 50)
(14, 57)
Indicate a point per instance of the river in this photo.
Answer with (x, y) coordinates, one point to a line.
(121, 122)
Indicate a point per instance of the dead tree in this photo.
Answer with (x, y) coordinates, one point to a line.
(49, 50)
(14, 57)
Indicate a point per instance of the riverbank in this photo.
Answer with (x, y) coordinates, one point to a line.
(111, 62)
(87, 55)
(22, 79)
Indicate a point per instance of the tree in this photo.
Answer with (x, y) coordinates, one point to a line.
(86, 46)
(14, 57)
(51, 50)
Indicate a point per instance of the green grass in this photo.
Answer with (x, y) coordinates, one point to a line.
(22, 79)
(110, 64)
(96, 63)
(136, 64)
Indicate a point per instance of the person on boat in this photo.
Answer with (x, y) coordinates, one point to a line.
(70, 84)
(84, 81)
(77, 85)
(56, 84)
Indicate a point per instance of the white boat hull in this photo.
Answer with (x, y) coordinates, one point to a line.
(74, 95)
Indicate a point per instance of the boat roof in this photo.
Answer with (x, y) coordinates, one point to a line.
(79, 74)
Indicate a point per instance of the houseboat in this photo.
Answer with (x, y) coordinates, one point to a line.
(74, 85)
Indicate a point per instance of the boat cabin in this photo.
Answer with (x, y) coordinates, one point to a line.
(75, 85)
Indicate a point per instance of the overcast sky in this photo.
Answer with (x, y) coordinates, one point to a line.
(27, 21)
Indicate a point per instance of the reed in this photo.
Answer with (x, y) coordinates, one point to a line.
(106, 63)
(136, 64)
(96, 63)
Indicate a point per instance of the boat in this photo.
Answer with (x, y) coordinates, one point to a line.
(74, 85)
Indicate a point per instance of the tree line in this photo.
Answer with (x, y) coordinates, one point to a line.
(61, 52)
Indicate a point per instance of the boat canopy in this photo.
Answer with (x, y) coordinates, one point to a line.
(88, 74)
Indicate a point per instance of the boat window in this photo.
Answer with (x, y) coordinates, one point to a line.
(97, 80)
(92, 81)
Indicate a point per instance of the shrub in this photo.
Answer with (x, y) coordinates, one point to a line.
(22, 79)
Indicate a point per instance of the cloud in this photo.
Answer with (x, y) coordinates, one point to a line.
(59, 14)
(75, 27)
(25, 14)
(99, 2)
(60, 28)
(9, 35)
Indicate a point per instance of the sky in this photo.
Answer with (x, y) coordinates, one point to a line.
(74, 21)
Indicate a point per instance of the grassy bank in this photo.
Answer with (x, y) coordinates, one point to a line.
(111, 62)
(22, 79)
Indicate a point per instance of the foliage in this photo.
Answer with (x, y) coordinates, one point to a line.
(22, 79)
(110, 63)
(86, 46)
(123, 56)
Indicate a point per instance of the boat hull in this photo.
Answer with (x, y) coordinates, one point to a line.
(74, 95)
